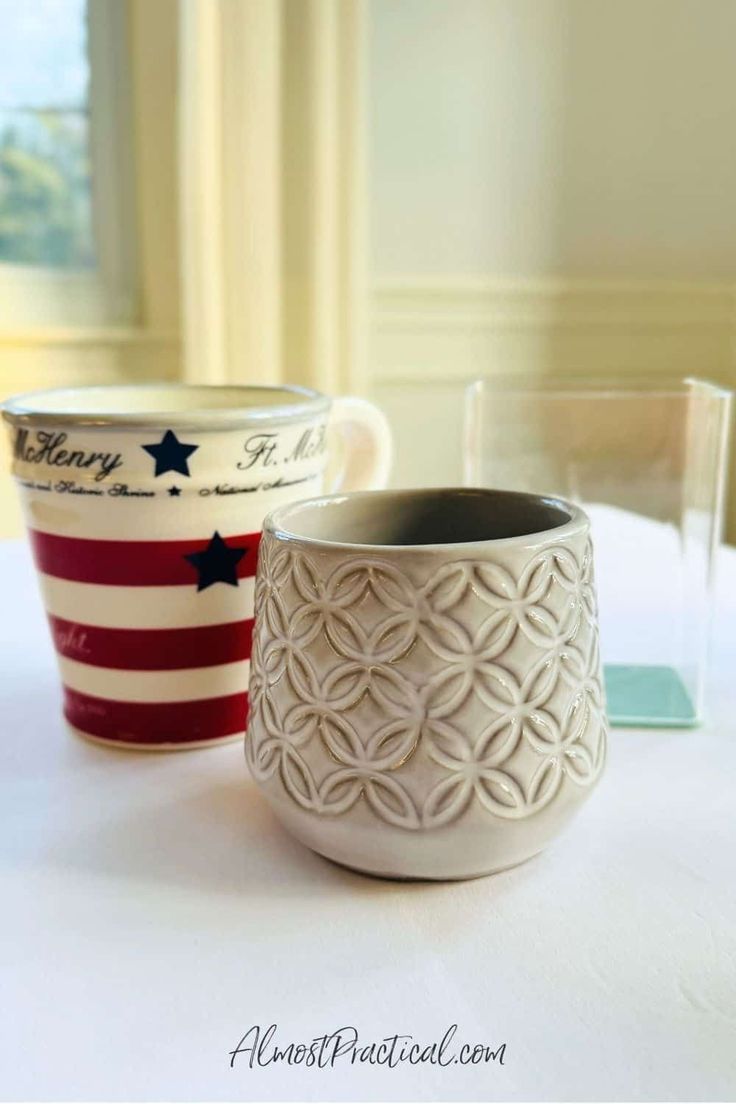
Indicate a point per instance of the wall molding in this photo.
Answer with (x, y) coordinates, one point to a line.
(83, 336)
(35, 360)
(273, 258)
(455, 328)
(428, 339)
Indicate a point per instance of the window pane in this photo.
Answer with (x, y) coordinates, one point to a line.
(45, 194)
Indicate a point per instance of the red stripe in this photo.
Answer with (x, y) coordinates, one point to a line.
(131, 563)
(157, 722)
(153, 649)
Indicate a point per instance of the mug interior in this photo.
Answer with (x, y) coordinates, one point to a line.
(423, 517)
(160, 402)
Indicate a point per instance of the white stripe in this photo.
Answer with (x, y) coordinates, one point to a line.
(190, 684)
(147, 607)
(187, 517)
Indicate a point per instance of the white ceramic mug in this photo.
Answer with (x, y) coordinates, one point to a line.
(144, 506)
(425, 687)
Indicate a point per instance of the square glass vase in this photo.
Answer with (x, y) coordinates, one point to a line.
(647, 460)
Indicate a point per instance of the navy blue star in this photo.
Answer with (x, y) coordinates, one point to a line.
(170, 454)
(217, 564)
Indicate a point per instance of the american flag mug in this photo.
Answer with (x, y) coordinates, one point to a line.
(144, 506)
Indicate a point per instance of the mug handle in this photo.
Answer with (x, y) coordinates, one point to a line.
(365, 457)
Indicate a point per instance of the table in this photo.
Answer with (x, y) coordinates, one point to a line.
(153, 911)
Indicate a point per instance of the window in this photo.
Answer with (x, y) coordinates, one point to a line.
(45, 205)
(65, 168)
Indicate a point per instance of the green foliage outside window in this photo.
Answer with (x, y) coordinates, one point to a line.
(45, 211)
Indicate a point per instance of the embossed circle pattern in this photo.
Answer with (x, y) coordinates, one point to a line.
(424, 696)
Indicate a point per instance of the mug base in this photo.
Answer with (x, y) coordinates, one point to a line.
(475, 847)
(387, 875)
(131, 745)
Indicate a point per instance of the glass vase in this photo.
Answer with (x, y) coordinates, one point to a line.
(647, 460)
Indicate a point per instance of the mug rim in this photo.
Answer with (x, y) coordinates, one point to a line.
(276, 523)
(28, 408)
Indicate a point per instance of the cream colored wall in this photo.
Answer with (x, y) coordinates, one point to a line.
(571, 138)
(552, 188)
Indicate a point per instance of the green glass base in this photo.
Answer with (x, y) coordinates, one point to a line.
(647, 697)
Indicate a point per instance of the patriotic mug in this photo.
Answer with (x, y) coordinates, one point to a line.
(144, 506)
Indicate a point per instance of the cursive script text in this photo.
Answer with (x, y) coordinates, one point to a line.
(48, 448)
(260, 1048)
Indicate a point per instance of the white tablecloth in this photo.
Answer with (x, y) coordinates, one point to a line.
(152, 911)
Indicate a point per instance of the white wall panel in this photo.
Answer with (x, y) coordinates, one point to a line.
(578, 138)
